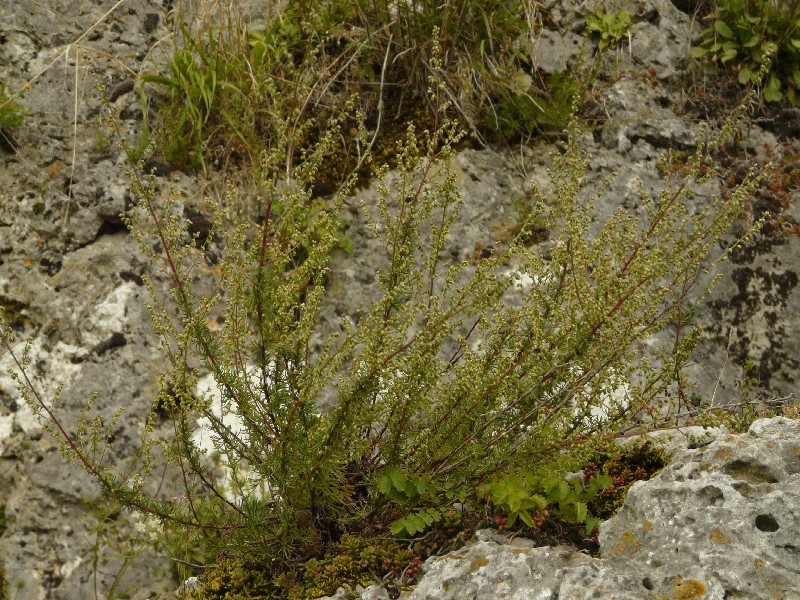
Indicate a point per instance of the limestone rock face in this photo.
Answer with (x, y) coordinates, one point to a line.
(722, 520)
(726, 515)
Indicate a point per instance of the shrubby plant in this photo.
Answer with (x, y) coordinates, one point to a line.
(442, 386)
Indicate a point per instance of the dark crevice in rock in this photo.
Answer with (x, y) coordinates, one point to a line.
(766, 523)
(109, 227)
(750, 471)
(117, 340)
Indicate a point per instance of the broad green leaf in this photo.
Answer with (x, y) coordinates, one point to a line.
(511, 519)
(563, 490)
(745, 75)
(384, 484)
(526, 518)
(723, 29)
(410, 490)
(398, 479)
(772, 91)
(795, 43)
(397, 527)
(538, 501)
(415, 524)
(592, 523)
(698, 52)
(580, 512)
(484, 490)
(796, 77)
(728, 53)
(398, 496)
(752, 41)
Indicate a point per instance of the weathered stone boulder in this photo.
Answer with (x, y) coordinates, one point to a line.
(722, 520)
(725, 515)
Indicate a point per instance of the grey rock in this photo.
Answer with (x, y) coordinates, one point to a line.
(660, 38)
(554, 51)
(726, 516)
(637, 115)
(753, 314)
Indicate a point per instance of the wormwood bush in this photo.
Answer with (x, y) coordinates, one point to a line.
(443, 384)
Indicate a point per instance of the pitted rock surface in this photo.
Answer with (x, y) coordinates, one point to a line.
(726, 514)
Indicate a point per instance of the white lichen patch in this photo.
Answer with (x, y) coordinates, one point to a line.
(109, 315)
(522, 281)
(67, 568)
(6, 427)
(233, 481)
(48, 369)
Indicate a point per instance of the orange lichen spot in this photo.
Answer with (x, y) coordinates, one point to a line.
(477, 563)
(719, 538)
(55, 169)
(687, 589)
(743, 488)
(626, 546)
(758, 564)
(647, 526)
(724, 453)
(521, 550)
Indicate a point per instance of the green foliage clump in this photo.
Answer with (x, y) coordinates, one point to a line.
(231, 580)
(231, 92)
(747, 34)
(532, 497)
(611, 27)
(418, 491)
(202, 85)
(621, 469)
(545, 108)
(351, 561)
(12, 113)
